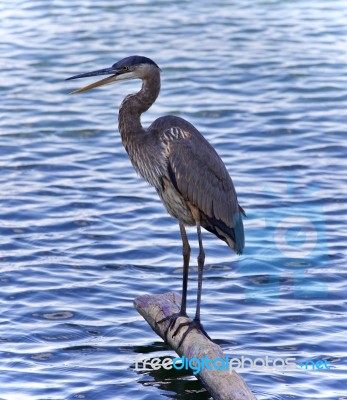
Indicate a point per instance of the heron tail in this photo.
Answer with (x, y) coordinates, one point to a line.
(233, 236)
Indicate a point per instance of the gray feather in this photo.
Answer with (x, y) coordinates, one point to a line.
(202, 179)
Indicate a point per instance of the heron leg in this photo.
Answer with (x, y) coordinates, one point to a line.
(196, 321)
(186, 257)
(201, 263)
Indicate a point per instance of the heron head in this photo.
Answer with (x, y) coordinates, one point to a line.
(133, 67)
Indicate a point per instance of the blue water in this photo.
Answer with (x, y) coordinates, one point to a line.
(82, 236)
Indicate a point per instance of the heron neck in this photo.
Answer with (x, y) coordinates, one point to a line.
(129, 119)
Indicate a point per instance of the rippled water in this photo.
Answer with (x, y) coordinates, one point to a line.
(82, 235)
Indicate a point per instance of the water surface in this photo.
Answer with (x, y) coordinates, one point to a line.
(82, 235)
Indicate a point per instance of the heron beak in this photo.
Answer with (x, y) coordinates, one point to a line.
(116, 75)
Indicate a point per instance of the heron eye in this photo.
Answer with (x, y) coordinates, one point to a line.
(126, 68)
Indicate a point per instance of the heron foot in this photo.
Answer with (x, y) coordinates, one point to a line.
(195, 324)
(172, 318)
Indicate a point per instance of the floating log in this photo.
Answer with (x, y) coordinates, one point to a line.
(221, 384)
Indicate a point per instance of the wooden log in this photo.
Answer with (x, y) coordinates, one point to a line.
(221, 384)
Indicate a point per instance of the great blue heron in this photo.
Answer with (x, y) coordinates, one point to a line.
(184, 168)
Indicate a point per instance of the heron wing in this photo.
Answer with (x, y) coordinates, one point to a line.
(200, 176)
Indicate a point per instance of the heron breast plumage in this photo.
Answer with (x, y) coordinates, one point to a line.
(175, 203)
